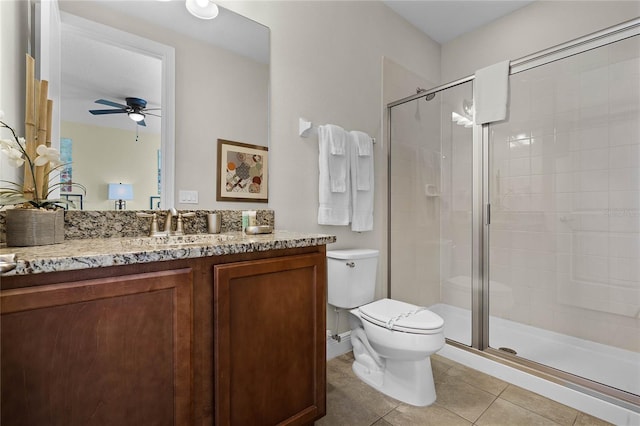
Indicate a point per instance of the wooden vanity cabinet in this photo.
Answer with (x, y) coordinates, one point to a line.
(107, 351)
(269, 341)
(225, 340)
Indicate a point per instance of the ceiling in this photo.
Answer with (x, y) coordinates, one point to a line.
(445, 20)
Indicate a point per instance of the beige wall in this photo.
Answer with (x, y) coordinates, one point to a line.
(102, 155)
(326, 66)
(13, 46)
(538, 26)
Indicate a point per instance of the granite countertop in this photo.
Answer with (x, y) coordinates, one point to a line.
(101, 252)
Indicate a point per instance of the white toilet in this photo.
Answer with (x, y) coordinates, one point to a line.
(392, 340)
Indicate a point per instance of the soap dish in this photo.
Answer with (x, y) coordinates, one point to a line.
(260, 229)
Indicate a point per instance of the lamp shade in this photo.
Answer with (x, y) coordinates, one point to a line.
(203, 9)
(120, 191)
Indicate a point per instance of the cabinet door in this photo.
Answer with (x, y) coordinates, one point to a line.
(114, 351)
(269, 341)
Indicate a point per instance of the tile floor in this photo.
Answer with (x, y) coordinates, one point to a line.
(465, 397)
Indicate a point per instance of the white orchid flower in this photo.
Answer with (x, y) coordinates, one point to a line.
(14, 156)
(5, 144)
(47, 155)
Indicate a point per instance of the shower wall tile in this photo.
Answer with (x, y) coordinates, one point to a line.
(624, 131)
(626, 245)
(624, 202)
(624, 156)
(565, 195)
(627, 179)
(593, 129)
(625, 223)
(624, 269)
(597, 200)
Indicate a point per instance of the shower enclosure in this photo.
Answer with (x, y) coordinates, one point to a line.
(524, 235)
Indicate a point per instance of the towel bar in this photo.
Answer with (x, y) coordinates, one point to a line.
(306, 129)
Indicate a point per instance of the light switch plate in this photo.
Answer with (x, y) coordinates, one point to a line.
(188, 197)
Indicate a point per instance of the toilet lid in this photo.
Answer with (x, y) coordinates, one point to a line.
(401, 316)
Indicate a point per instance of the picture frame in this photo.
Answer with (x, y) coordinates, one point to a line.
(242, 172)
(154, 202)
(76, 199)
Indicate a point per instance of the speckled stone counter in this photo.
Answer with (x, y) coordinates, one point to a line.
(101, 252)
(82, 224)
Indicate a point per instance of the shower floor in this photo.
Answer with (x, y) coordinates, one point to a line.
(609, 365)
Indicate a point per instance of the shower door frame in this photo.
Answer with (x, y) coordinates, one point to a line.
(481, 219)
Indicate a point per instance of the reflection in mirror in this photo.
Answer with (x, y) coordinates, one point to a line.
(111, 129)
(108, 146)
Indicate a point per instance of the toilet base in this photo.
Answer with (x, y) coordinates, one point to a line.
(408, 381)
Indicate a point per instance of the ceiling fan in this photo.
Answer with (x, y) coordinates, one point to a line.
(135, 109)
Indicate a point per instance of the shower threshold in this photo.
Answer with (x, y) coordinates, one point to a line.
(601, 363)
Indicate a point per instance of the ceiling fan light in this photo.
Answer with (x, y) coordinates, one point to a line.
(136, 116)
(203, 9)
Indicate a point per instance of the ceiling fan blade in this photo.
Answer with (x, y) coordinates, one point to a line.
(152, 109)
(110, 103)
(142, 123)
(107, 111)
(148, 113)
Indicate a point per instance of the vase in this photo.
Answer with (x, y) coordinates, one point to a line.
(34, 227)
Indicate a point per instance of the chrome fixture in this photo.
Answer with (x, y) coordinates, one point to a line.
(154, 230)
(428, 97)
(168, 219)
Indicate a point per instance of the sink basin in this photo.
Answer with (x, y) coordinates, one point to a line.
(179, 240)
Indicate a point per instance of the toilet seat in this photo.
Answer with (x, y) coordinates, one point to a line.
(401, 316)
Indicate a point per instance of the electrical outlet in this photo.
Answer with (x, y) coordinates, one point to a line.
(188, 197)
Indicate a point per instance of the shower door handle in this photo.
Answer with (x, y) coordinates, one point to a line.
(488, 215)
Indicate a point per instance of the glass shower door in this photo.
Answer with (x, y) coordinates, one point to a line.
(430, 205)
(564, 187)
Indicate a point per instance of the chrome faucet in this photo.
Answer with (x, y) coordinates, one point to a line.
(168, 219)
(153, 230)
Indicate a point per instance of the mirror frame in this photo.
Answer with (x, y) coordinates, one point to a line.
(166, 54)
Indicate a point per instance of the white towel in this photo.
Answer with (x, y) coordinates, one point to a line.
(362, 161)
(365, 143)
(362, 200)
(335, 207)
(492, 89)
(336, 140)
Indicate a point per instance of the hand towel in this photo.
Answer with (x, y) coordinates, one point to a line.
(492, 90)
(335, 138)
(363, 151)
(334, 207)
(361, 200)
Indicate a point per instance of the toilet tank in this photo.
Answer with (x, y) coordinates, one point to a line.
(351, 277)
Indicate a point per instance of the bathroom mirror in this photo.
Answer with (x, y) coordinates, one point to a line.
(128, 62)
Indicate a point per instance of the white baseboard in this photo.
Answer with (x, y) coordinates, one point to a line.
(335, 348)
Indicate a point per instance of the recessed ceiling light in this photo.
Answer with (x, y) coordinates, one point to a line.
(203, 9)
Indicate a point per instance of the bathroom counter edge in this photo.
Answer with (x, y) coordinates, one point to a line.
(104, 252)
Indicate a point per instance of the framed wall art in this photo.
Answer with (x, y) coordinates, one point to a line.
(76, 199)
(242, 172)
(154, 203)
